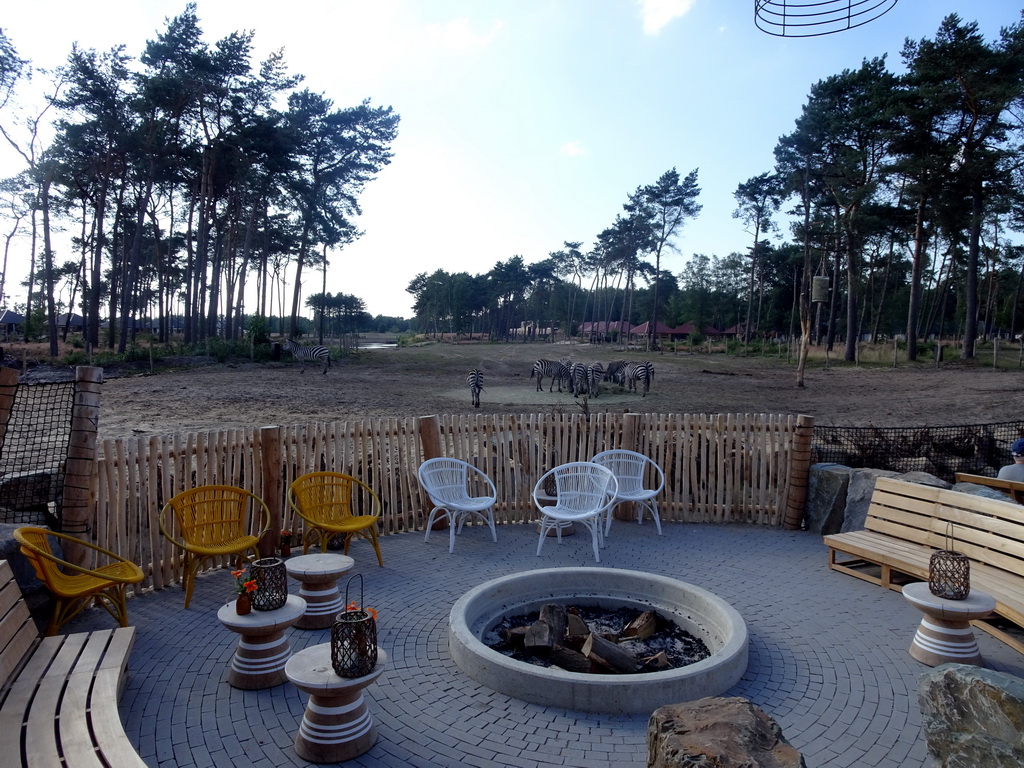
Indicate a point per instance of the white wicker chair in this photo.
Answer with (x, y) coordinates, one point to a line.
(584, 491)
(631, 469)
(460, 490)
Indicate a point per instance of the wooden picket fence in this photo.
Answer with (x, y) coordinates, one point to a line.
(718, 468)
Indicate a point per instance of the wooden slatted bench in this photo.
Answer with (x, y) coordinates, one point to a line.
(1012, 489)
(906, 523)
(58, 695)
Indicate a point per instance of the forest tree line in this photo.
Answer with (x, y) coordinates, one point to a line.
(902, 190)
(192, 178)
(183, 174)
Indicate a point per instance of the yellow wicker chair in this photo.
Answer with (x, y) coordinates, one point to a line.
(213, 521)
(74, 586)
(334, 504)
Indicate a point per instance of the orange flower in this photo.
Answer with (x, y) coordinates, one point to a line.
(237, 573)
(250, 586)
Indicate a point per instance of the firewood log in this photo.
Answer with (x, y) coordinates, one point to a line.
(570, 660)
(640, 628)
(596, 648)
(555, 616)
(514, 636)
(657, 661)
(539, 638)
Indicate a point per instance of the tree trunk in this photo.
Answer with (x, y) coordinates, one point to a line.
(916, 275)
(971, 288)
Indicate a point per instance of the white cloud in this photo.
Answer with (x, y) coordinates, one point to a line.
(657, 14)
(572, 149)
(458, 35)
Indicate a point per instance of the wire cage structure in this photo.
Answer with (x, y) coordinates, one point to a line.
(812, 18)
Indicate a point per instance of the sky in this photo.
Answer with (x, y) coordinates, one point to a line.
(524, 123)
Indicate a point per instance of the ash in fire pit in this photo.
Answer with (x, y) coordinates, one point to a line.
(590, 639)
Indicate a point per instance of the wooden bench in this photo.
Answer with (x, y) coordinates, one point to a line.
(58, 695)
(906, 523)
(1012, 489)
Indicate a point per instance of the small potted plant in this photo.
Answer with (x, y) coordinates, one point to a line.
(286, 543)
(244, 587)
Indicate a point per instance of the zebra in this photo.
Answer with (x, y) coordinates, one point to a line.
(557, 372)
(595, 372)
(475, 382)
(303, 354)
(578, 378)
(616, 372)
(640, 373)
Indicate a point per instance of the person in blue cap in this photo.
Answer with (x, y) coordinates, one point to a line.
(1015, 471)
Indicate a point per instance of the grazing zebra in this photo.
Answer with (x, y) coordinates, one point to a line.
(303, 354)
(595, 372)
(640, 373)
(475, 382)
(578, 376)
(616, 372)
(557, 372)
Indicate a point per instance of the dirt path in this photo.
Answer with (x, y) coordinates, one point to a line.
(431, 379)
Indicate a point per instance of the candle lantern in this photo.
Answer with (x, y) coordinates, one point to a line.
(271, 583)
(354, 637)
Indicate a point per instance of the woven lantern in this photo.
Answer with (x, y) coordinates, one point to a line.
(354, 638)
(949, 572)
(271, 583)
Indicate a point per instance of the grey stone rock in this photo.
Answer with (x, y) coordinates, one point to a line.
(717, 732)
(858, 496)
(981, 490)
(826, 497)
(972, 717)
(925, 478)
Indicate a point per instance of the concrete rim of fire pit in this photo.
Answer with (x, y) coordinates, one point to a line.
(696, 610)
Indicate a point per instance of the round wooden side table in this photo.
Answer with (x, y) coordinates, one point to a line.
(318, 575)
(262, 649)
(336, 725)
(945, 633)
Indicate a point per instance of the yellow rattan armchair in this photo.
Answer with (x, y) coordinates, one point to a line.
(333, 504)
(213, 521)
(74, 586)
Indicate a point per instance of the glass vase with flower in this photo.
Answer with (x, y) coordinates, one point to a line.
(245, 586)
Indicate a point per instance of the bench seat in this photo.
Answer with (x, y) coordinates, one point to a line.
(907, 523)
(58, 695)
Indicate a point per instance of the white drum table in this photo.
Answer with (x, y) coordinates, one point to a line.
(945, 633)
(262, 648)
(318, 575)
(336, 725)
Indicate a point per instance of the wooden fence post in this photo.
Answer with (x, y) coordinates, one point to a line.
(429, 430)
(630, 441)
(272, 493)
(8, 387)
(799, 471)
(80, 471)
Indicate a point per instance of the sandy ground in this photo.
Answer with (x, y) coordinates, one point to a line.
(431, 379)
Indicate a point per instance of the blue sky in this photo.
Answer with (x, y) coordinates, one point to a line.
(525, 123)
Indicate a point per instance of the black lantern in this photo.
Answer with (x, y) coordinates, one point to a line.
(271, 583)
(949, 572)
(354, 637)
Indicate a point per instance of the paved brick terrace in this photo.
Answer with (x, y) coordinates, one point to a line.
(828, 658)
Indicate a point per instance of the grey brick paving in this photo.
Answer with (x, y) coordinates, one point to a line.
(828, 658)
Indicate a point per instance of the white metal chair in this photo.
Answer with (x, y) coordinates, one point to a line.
(460, 490)
(584, 491)
(631, 469)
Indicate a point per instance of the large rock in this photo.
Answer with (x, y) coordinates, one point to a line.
(981, 490)
(717, 732)
(826, 497)
(925, 478)
(972, 717)
(858, 496)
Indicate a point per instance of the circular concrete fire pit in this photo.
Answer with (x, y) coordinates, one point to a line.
(696, 610)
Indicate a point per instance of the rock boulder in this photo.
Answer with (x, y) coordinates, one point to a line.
(827, 485)
(972, 716)
(719, 732)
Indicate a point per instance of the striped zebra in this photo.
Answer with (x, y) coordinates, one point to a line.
(616, 372)
(556, 371)
(595, 373)
(578, 377)
(301, 353)
(475, 382)
(640, 373)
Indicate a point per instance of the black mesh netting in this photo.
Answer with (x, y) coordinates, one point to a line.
(980, 449)
(33, 451)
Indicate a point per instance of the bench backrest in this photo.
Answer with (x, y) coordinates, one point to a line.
(1012, 489)
(985, 530)
(18, 632)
